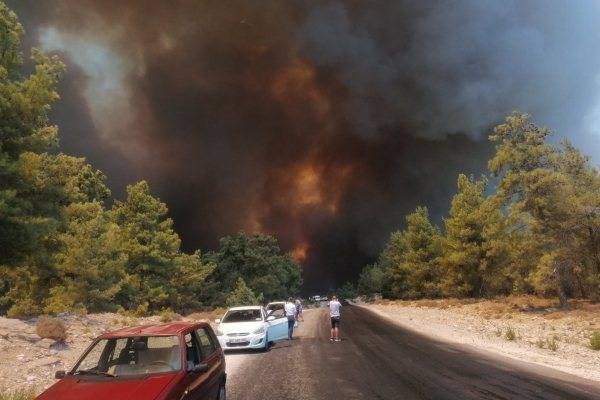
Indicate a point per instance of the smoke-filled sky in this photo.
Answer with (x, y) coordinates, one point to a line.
(323, 122)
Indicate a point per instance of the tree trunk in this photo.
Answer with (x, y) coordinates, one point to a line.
(562, 296)
(582, 290)
(559, 276)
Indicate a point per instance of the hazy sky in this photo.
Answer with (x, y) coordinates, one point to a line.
(322, 122)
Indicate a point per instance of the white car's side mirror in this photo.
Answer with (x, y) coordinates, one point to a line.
(270, 318)
(217, 321)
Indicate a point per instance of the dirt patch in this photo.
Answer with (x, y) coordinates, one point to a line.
(528, 328)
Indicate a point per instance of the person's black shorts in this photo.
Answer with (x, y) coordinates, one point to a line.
(335, 322)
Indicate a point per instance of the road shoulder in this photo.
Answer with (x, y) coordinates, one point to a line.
(489, 336)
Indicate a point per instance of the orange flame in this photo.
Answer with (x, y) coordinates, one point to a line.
(297, 85)
(307, 186)
(300, 252)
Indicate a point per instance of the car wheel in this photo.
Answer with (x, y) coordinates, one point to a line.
(267, 344)
(222, 394)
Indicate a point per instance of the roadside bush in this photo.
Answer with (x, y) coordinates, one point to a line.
(126, 320)
(208, 315)
(168, 315)
(552, 343)
(217, 313)
(595, 340)
(510, 334)
(51, 328)
(348, 291)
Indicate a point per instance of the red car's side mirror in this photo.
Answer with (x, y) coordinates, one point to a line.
(60, 374)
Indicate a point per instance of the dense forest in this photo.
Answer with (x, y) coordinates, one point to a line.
(531, 226)
(67, 245)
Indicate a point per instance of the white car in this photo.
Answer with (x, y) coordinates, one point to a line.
(250, 328)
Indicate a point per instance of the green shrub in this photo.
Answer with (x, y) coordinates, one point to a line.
(510, 334)
(51, 328)
(595, 340)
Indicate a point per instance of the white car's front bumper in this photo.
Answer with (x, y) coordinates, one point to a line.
(242, 342)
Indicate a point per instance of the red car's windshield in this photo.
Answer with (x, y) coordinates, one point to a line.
(132, 356)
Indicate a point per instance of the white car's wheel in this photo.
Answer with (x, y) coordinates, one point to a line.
(267, 345)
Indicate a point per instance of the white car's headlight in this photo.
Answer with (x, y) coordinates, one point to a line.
(218, 332)
(259, 330)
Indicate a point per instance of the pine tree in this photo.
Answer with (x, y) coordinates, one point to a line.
(29, 213)
(259, 261)
(412, 257)
(463, 244)
(151, 248)
(189, 281)
(373, 280)
(554, 193)
(242, 295)
(90, 264)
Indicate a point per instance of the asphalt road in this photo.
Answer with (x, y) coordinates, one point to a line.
(380, 360)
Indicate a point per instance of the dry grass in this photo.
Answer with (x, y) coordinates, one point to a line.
(552, 343)
(125, 321)
(541, 343)
(169, 316)
(510, 334)
(51, 328)
(21, 394)
(595, 340)
(509, 307)
(209, 315)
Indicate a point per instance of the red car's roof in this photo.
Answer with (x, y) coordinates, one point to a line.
(173, 328)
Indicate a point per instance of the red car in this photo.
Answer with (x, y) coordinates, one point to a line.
(174, 361)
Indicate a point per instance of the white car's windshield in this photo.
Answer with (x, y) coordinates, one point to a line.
(132, 356)
(243, 316)
(275, 306)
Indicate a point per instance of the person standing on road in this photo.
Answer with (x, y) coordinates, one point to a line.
(299, 316)
(290, 313)
(335, 315)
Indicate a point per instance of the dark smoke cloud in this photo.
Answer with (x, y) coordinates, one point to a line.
(323, 123)
(455, 66)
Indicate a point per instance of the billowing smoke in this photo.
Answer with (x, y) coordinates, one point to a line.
(321, 122)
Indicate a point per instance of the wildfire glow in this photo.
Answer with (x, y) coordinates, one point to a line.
(300, 252)
(312, 188)
(296, 85)
(307, 185)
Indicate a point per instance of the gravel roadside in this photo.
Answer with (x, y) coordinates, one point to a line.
(556, 342)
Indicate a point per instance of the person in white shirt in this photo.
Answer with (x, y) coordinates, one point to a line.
(335, 315)
(290, 313)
